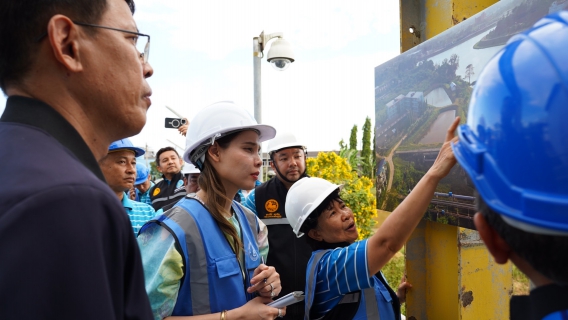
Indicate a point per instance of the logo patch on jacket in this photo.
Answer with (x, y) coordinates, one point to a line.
(253, 254)
(156, 192)
(271, 205)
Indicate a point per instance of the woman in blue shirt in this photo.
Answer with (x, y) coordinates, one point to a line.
(343, 280)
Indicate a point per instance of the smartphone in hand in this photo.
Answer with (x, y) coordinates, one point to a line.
(174, 123)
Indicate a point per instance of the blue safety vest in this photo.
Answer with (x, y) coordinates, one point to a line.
(373, 303)
(212, 280)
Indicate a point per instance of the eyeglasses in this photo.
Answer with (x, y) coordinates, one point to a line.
(144, 51)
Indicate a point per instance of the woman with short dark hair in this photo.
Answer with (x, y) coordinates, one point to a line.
(343, 280)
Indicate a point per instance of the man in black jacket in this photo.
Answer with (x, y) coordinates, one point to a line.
(75, 82)
(171, 189)
(287, 253)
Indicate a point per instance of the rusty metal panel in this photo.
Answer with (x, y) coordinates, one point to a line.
(432, 17)
(453, 276)
(485, 287)
(411, 14)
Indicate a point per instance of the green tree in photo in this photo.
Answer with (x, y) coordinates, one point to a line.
(469, 72)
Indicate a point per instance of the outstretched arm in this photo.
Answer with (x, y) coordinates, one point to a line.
(396, 229)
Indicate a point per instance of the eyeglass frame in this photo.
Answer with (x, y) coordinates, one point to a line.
(143, 55)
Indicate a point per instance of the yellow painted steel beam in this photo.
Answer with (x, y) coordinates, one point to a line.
(453, 276)
(484, 286)
(432, 269)
(431, 17)
(443, 14)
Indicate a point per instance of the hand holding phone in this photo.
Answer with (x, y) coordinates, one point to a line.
(290, 298)
(174, 123)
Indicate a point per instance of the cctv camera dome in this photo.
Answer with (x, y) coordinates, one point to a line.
(280, 49)
(280, 64)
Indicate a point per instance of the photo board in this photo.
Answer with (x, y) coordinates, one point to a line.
(421, 91)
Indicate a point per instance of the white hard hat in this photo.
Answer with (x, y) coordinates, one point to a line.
(282, 141)
(216, 121)
(303, 198)
(189, 168)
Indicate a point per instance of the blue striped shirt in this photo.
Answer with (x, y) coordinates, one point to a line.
(144, 197)
(340, 271)
(138, 212)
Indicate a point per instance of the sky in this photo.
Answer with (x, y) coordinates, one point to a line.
(201, 52)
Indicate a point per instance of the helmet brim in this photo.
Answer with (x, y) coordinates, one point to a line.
(266, 132)
(313, 207)
(137, 151)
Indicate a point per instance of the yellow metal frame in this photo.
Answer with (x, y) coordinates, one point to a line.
(453, 275)
(432, 17)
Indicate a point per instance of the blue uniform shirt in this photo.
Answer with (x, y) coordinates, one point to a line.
(145, 197)
(249, 202)
(138, 212)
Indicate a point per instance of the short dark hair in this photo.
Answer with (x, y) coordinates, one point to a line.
(23, 21)
(159, 153)
(545, 253)
(311, 221)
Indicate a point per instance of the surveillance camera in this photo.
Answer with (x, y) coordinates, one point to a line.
(280, 54)
(280, 64)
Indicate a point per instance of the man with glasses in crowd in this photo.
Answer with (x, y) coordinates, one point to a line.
(75, 82)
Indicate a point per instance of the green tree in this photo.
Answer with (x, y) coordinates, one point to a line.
(368, 160)
(366, 142)
(154, 171)
(375, 141)
(342, 145)
(353, 138)
(350, 155)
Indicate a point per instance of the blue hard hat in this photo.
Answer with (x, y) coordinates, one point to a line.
(141, 173)
(515, 143)
(125, 144)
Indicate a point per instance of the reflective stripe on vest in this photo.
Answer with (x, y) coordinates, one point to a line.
(271, 222)
(371, 306)
(209, 261)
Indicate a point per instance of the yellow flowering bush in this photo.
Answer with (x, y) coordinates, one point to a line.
(356, 191)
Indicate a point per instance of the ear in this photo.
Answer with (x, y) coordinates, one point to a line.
(181, 162)
(64, 36)
(158, 168)
(314, 234)
(498, 248)
(214, 152)
(272, 165)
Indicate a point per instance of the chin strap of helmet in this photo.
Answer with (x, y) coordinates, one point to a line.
(283, 177)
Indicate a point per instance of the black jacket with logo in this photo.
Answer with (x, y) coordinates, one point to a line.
(287, 253)
(164, 193)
